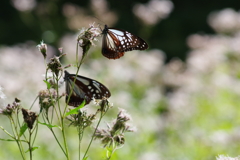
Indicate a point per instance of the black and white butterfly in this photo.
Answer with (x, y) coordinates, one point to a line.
(116, 41)
(83, 89)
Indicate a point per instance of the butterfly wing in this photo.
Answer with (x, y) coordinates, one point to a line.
(83, 89)
(117, 41)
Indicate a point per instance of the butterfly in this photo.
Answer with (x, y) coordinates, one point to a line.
(83, 89)
(116, 41)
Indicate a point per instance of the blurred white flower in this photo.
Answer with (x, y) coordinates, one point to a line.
(222, 157)
(209, 53)
(153, 11)
(2, 96)
(21, 66)
(149, 155)
(24, 5)
(101, 9)
(226, 20)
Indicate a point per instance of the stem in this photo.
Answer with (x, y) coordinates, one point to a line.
(62, 124)
(29, 144)
(78, 68)
(33, 102)
(35, 135)
(102, 114)
(80, 135)
(46, 119)
(16, 137)
(109, 156)
(64, 140)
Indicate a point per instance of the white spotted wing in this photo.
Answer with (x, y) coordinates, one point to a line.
(117, 41)
(83, 89)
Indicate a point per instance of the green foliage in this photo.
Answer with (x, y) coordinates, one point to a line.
(75, 110)
(50, 125)
(23, 129)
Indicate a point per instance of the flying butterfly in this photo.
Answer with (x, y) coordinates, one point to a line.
(83, 89)
(116, 41)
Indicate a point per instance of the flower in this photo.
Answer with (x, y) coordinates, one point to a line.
(55, 65)
(47, 99)
(9, 109)
(87, 36)
(43, 49)
(114, 134)
(29, 117)
(82, 119)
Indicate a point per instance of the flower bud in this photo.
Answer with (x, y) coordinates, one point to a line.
(43, 49)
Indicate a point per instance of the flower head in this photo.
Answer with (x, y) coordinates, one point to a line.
(29, 117)
(114, 134)
(55, 65)
(103, 103)
(43, 49)
(11, 108)
(82, 119)
(47, 99)
(87, 36)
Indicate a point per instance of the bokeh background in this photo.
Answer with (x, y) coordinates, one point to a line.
(182, 93)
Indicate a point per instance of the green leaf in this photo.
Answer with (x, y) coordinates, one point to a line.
(48, 84)
(23, 129)
(49, 125)
(34, 148)
(85, 158)
(75, 110)
(7, 139)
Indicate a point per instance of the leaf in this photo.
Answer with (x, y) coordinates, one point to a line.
(85, 158)
(48, 84)
(75, 110)
(34, 148)
(49, 125)
(7, 139)
(23, 129)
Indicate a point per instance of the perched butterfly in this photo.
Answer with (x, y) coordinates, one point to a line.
(116, 42)
(83, 89)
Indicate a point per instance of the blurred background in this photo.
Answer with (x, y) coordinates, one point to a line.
(182, 93)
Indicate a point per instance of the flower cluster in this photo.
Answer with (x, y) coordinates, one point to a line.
(11, 108)
(87, 36)
(47, 98)
(82, 119)
(114, 135)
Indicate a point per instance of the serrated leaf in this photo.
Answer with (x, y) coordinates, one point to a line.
(75, 110)
(23, 129)
(49, 125)
(48, 84)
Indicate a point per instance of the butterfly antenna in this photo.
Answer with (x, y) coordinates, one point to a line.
(99, 24)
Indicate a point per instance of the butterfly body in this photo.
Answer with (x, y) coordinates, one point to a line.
(117, 41)
(83, 89)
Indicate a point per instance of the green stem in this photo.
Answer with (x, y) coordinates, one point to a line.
(34, 102)
(62, 124)
(46, 120)
(16, 137)
(90, 143)
(80, 135)
(29, 144)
